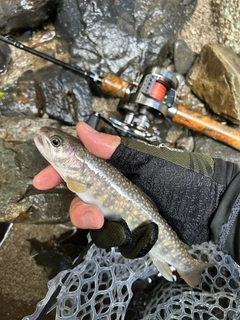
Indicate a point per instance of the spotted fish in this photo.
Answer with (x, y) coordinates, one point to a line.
(98, 183)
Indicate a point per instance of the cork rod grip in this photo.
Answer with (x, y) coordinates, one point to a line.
(207, 126)
(114, 86)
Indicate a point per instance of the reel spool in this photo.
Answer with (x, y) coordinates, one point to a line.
(148, 102)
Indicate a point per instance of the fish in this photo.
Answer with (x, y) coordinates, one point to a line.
(98, 183)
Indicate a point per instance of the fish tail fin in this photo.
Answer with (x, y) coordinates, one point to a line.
(162, 267)
(193, 276)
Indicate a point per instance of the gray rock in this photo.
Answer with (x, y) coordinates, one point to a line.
(59, 93)
(23, 282)
(183, 57)
(5, 55)
(226, 17)
(20, 161)
(16, 15)
(178, 53)
(120, 37)
(215, 149)
(215, 78)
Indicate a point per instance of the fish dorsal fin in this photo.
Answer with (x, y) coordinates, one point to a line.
(75, 186)
(162, 267)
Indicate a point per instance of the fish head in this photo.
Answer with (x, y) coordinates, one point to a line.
(63, 151)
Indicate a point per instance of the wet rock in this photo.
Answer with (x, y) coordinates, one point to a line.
(15, 129)
(43, 40)
(121, 37)
(226, 16)
(20, 161)
(17, 15)
(59, 93)
(183, 57)
(199, 30)
(58, 253)
(176, 52)
(23, 282)
(215, 78)
(5, 55)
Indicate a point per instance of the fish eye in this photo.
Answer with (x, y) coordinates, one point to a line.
(56, 141)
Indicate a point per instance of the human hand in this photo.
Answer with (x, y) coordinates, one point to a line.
(192, 191)
(82, 215)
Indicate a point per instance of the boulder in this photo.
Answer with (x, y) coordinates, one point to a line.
(16, 15)
(215, 78)
(59, 93)
(121, 37)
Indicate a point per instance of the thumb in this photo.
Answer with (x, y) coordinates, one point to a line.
(100, 144)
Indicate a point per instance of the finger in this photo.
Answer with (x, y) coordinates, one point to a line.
(100, 144)
(85, 216)
(46, 179)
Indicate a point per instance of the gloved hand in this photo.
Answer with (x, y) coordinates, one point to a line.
(197, 195)
(133, 244)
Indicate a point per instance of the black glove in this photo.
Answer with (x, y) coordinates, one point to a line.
(133, 244)
(197, 195)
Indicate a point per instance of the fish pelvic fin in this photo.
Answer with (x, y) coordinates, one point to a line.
(162, 267)
(193, 276)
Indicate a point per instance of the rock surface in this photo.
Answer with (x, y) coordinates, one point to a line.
(23, 282)
(226, 15)
(20, 162)
(200, 29)
(215, 78)
(59, 93)
(183, 57)
(120, 37)
(16, 15)
(5, 55)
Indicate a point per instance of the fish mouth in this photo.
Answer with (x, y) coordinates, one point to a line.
(42, 143)
(42, 136)
(38, 140)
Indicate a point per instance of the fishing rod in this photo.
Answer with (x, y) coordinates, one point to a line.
(144, 101)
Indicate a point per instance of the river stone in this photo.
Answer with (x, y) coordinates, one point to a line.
(121, 37)
(215, 78)
(177, 54)
(54, 91)
(183, 56)
(16, 15)
(20, 161)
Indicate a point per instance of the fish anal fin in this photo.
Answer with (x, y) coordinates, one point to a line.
(75, 186)
(193, 277)
(162, 267)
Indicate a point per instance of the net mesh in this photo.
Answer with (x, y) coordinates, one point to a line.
(101, 287)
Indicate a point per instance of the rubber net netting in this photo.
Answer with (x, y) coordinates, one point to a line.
(102, 286)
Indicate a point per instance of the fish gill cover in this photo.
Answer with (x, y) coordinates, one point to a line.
(102, 288)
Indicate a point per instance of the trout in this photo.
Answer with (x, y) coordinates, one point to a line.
(98, 183)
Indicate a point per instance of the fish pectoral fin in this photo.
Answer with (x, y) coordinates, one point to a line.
(75, 186)
(162, 267)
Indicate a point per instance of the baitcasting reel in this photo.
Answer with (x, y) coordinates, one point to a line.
(147, 101)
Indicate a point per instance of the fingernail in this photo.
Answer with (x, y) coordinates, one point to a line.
(90, 220)
(89, 128)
